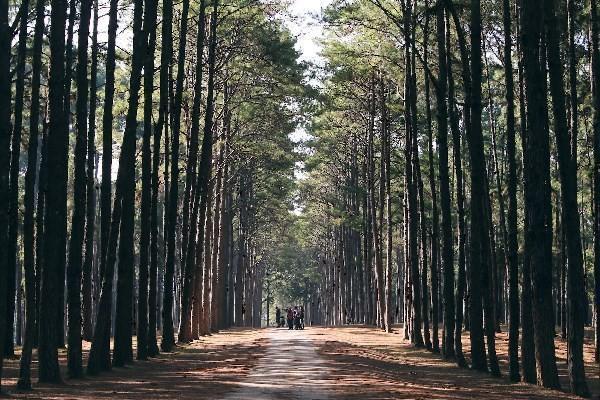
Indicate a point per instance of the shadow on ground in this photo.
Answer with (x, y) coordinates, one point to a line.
(207, 369)
(366, 363)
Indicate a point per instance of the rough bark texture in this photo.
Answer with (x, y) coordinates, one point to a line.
(99, 358)
(447, 246)
(29, 203)
(596, 126)
(570, 215)
(5, 94)
(74, 267)
(15, 155)
(512, 255)
(123, 352)
(55, 219)
(537, 195)
(168, 337)
(88, 288)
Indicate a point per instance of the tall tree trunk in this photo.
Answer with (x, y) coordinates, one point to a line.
(527, 341)
(123, 352)
(55, 220)
(203, 185)
(90, 224)
(434, 207)
(568, 180)
(149, 26)
(168, 339)
(153, 296)
(595, 50)
(537, 195)
(512, 250)
(99, 357)
(5, 94)
(378, 267)
(192, 196)
(386, 154)
(447, 246)
(168, 335)
(107, 127)
(29, 202)
(478, 277)
(74, 352)
(460, 205)
(15, 155)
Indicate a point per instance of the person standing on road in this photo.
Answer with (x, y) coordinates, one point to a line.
(278, 316)
(290, 318)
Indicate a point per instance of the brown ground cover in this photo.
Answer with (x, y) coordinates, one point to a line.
(353, 362)
(370, 364)
(205, 369)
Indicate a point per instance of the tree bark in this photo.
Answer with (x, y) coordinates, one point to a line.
(123, 352)
(5, 95)
(595, 49)
(55, 219)
(168, 336)
(186, 333)
(149, 27)
(447, 246)
(74, 267)
(568, 181)
(31, 275)
(107, 127)
(537, 195)
(15, 155)
(460, 200)
(90, 224)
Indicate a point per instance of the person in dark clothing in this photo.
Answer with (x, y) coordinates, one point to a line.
(278, 316)
(301, 315)
(296, 318)
(290, 318)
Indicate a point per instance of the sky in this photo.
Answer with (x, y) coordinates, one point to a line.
(305, 25)
(303, 22)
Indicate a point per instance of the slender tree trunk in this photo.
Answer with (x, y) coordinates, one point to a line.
(123, 352)
(512, 250)
(527, 342)
(388, 211)
(40, 212)
(537, 195)
(480, 252)
(15, 155)
(154, 294)
(447, 246)
(149, 26)
(99, 357)
(90, 224)
(28, 218)
(460, 205)
(595, 50)
(568, 180)
(203, 248)
(374, 220)
(192, 197)
(5, 94)
(55, 220)
(168, 335)
(107, 126)
(74, 352)
(434, 208)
